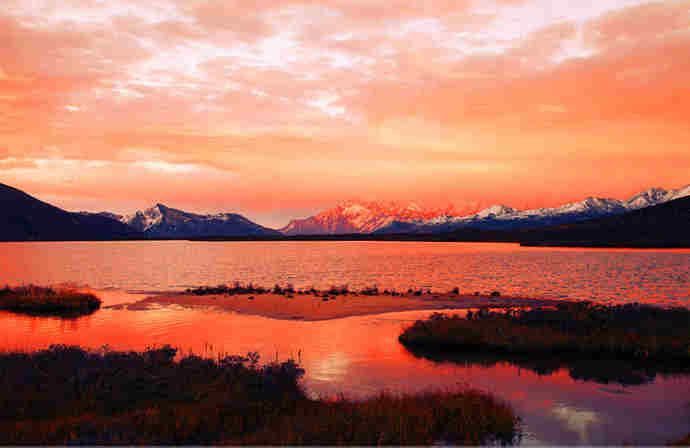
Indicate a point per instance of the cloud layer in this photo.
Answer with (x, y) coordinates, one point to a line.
(283, 105)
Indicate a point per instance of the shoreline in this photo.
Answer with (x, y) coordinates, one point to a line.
(320, 306)
(424, 238)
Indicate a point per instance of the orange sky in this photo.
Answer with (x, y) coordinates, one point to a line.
(277, 108)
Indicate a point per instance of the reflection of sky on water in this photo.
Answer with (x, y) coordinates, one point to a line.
(659, 276)
(577, 420)
(331, 368)
(360, 356)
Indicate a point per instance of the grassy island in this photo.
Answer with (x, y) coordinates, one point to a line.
(630, 331)
(43, 300)
(66, 395)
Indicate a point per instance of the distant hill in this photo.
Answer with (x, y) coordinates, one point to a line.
(160, 221)
(663, 225)
(25, 218)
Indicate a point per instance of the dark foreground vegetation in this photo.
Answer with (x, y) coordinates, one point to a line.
(685, 441)
(66, 395)
(630, 331)
(41, 300)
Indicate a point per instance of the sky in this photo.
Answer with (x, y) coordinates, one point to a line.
(278, 109)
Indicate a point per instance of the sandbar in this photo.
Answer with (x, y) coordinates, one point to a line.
(313, 307)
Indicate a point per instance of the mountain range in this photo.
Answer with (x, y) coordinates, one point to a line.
(24, 218)
(160, 221)
(662, 225)
(389, 217)
(363, 217)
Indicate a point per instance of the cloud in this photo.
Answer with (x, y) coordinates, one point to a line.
(320, 99)
(12, 163)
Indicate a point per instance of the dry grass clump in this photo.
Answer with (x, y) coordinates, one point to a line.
(33, 299)
(629, 331)
(67, 395)
(238, 288)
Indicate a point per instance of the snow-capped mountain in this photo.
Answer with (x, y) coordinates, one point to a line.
(496, 211)
(503, 217)
(649, 197)
(160, 221)
(364, 217)
(392, 217)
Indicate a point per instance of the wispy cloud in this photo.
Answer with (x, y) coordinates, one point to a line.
(318, 99)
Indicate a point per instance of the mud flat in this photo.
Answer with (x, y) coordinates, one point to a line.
(312, 306)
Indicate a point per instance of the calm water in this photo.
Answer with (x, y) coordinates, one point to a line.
(659, 276)
(583, 403)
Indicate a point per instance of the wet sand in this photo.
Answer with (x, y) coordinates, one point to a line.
(312, 307)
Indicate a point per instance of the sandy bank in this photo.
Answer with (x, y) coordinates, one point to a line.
(311, 307)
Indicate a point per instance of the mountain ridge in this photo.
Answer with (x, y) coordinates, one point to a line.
(161, 221)
(25, 218)
(352, 217)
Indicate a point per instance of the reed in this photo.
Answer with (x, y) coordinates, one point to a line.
(65, 395)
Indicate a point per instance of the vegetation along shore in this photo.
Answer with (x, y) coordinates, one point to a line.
(66, 394)
(630, 331)
(309, 304)
(40, 300)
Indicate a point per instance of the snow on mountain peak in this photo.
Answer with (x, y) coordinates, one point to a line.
(591, 204)
(648, 197)
(364, 217)
(496, 210)
(679, 193)
(143, 221)
(354, 209)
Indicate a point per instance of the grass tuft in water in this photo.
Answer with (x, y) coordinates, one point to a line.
(630, 331)
(33, 299)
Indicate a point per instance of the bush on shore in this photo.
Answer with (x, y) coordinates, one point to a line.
(66, 395)
(33, 299)
(629, 331)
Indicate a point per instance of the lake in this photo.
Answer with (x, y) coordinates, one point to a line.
(577, 403)
(621, 275)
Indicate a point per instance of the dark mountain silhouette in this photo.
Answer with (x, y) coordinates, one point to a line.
(25, 218)
(663, 225)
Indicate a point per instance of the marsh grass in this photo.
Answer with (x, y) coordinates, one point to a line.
(40, 300)
(66, 395)
(630, 331)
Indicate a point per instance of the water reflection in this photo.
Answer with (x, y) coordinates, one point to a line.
(360, 356)
(602, 371)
